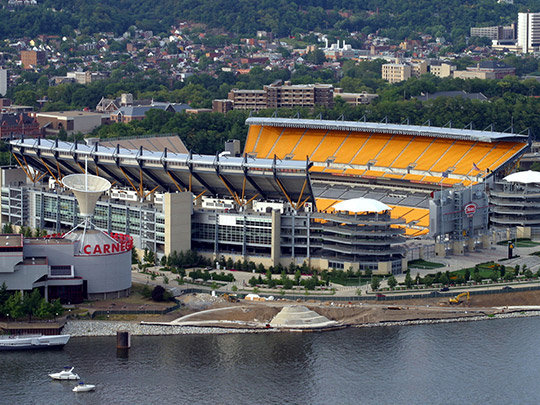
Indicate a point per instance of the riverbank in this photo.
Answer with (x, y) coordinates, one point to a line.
(109, 328)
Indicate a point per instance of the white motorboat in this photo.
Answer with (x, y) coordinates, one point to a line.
(23, 342)
(82, 387)
(66, 374)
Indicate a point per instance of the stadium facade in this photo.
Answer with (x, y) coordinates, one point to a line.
(275, 205)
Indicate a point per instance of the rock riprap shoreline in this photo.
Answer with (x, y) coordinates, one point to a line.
(109, 328)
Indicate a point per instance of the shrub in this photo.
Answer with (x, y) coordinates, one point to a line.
(146, 292)
(158, 294)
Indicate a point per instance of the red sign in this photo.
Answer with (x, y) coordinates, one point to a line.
(108, 248)
(470, 209)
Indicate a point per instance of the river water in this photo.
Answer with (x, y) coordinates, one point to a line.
(485, 362)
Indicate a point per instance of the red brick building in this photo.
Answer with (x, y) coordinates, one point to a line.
(15, 125)
(33, 58)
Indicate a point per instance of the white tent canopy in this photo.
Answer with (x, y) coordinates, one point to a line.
(361, 205)
(526, 177)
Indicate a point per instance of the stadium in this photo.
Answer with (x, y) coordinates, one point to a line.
(407, 167)
(283, 201)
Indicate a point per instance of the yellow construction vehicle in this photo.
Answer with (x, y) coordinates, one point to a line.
(230, 297)
(456, 299)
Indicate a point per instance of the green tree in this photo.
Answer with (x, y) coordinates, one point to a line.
(408, 279)
(43, 310)
(297, 277)
(444, 279)
(375, 283)
(30, 303)
(392, 282)
(428, 281)
(13, 307)
(252, 281)
(467, 275)
(134, 256)
(4, 295)
(57, 309)
(158, 293)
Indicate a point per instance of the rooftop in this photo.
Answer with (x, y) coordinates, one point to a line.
(10, 240)
(414, 130)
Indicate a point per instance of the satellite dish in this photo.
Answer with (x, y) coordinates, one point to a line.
(87, 189)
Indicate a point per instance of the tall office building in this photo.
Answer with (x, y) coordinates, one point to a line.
(3, 82)
(528, 31)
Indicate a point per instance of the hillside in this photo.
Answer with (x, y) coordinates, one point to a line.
(394, 18)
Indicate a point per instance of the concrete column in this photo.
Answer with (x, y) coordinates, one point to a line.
(523, 232)
(457, 247)
(276, 237)
(178, 208)
(404, 265)
(470, 244)
(486, 241)
(440, 250)
(384, 268)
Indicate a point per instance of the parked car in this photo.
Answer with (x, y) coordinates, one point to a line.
(507, 287)
(444, 289)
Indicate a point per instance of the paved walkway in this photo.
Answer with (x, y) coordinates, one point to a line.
(452, 263)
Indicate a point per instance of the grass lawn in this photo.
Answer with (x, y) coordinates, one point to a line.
(349, 282)
(422, 264)
(485, 270)
(520, 243)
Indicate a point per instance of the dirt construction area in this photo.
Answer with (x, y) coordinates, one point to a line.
(204, 308)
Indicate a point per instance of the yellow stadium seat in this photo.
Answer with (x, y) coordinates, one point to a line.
(355, 172)
(436, 149)
(369, 150)
(499, 155)
(325, 204)
(451, 181)
(412, 152)
(413, 177)
(452, 156)
(266, 141)
(393, 175)
(330, 170)
(253, 134)
(432, 179)
(348, 149)
(373, 173)
(307, 144)
(392, 150)
(286, 143)
(328, 146)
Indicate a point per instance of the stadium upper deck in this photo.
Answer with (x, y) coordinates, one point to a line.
(417, 154)
(243, 179)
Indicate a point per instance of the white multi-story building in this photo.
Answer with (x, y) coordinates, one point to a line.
(528, 37)
(3, 82)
